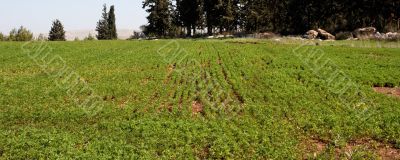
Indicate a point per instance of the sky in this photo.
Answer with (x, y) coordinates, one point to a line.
(37, 15)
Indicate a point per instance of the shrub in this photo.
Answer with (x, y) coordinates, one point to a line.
(344, 35)
(13, 35)
(41, 37)
(22, 34)
(136, 35)
(90, 37)
(2, 37)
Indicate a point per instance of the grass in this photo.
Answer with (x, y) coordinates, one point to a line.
(198, 99)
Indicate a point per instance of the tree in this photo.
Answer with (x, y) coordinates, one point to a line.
(280, 16)
(112, 29)
(2, 38)
(228, 16)
(106, 28)
(57, 32)
(159, 19)
(22, 34)
(212, 14)
(13, 35)
(190, 14)
(102, 26)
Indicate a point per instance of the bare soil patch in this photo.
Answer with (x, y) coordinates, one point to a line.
(315, 147)
(384, 151)
(197, 107)
(170, 70)
(395, 92)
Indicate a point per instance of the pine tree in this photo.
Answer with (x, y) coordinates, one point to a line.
(159, 19)
(102, 26)
(212, 13)
(57, 32)
(228, 15)
(280, 16)
(190, 12)
(112, 29)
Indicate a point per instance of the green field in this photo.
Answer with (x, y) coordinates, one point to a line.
(199, 99)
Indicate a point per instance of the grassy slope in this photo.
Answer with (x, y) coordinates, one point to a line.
(277, 102)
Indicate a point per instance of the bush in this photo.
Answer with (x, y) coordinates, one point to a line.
(136, 35)
(2, 37)
(22, 34)
(41, 37)
(90, 37)
(13, 35)
(344, 35)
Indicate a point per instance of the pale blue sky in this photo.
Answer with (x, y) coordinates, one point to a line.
(37, 15)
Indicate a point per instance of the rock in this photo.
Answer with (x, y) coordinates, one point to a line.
(325, 35)
(266, 35)
(392, 36)
(387, 36)
(311, 34)
(219, 36)
(365, 33)
(378, 35)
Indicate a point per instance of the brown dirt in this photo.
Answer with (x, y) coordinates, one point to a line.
(109, 98)
(122, 103)
(203, 153)
(384, 151)
(170, 69)
(197, 107)
(388, 91)
(145, 81)
(165, 107)
(314, 147)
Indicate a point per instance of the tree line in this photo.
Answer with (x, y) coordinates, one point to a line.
(187, 17)
(106, 29)
(180, 18)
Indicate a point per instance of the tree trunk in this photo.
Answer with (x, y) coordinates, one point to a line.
(194, 29)
(188, 31)
(398, 24)
(209, 30)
